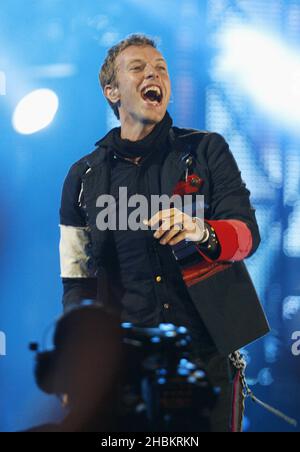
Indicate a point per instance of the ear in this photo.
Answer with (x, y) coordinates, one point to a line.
(112, 93)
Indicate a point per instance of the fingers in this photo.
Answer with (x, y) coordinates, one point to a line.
(169, 236)
(178, 238)
(175, 226)
(168, 225)
(162, 216)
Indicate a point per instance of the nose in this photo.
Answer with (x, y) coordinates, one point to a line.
(151, 72)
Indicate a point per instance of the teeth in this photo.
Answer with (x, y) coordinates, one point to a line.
(152, 88)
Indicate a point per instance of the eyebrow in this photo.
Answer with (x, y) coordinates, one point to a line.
(142, 61)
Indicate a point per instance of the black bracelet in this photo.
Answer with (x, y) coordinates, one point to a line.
(211, 247)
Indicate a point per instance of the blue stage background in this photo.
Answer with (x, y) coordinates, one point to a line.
(60, 45)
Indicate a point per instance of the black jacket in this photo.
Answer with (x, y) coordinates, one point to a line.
(226, 300)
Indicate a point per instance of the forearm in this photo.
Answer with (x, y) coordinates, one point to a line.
(231, 214)
(78, 290)
(228, 240)
(78, 270)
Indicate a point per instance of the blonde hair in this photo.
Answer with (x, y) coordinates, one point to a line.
(107, 75)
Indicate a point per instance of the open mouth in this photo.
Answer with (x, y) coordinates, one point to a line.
(152, 95)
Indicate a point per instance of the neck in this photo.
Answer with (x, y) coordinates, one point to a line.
(135, 131)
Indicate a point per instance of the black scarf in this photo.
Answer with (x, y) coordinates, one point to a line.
(131, 149)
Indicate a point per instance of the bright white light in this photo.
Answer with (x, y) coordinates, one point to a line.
(35, 111)
(264, 68)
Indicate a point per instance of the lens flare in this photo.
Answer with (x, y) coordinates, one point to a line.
(35, 111)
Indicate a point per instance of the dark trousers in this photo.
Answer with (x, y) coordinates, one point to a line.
(227, 415)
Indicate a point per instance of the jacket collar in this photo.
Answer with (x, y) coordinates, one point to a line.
(183, 144)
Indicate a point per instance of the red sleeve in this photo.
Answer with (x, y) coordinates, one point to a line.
(235, 239)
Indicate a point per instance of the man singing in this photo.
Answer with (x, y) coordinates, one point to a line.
(176, 269)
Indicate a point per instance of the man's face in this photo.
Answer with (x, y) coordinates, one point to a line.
(144, 87)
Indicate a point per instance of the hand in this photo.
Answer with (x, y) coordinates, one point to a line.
(176, 226)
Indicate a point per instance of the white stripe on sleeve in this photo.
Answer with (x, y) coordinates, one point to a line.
(75, 253)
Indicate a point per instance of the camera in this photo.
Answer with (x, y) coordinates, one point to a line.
(121, 377)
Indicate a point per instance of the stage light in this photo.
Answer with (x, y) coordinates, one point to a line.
(263, 67)
(291, 308)
(291, 244)
(265, 377)
(35, 111)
